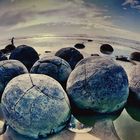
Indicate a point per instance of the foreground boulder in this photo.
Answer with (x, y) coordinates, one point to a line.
(54, 67)
(25, 54)
(71, 55)
(35, 105)
(98, 84)
(8, 70)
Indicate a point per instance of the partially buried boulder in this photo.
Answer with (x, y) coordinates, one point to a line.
(25, 54)
(8, 70)
(79, 46)
(54, 67)
(106, 49)
(135, 56)
(98, 84)
(35, 105)
(71, 55)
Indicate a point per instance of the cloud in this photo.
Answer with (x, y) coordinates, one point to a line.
(70, 13)
(66, 17)
(13, 18)
(133, 3)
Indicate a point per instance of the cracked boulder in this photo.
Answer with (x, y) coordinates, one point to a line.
(71, 55)
(35, 105)
(25, 54)
(8, 70)
(135, 83)
(98, 84)
(54, 67)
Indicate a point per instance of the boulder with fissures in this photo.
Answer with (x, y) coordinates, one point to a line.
(25, 54)
(8, 70)
(135, 83)
(98, 84)
(35, 105)
(71, 55)
(54, 67)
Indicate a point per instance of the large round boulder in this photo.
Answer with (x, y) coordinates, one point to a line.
(35, 105)
(134, 84)
(54, 67)
(8, 70)
(98, 84)
(106, 49)
(71, 55)
(25, 54)
(135, 56)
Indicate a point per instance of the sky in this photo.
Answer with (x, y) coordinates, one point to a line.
(88, 18)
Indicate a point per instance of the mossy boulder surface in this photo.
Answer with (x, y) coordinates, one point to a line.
(25, 54)
(98, 84)
(54, 67)
(8, 70)
(71, 55)
(35, 105)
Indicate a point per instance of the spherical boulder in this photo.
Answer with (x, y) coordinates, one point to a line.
(8, 70)
(54, 67)
(106, 49)
(79, 46)
(26, 54)
(134, 83)
(71, 55)
(35, 105)
(135, 56)
(98, 84)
